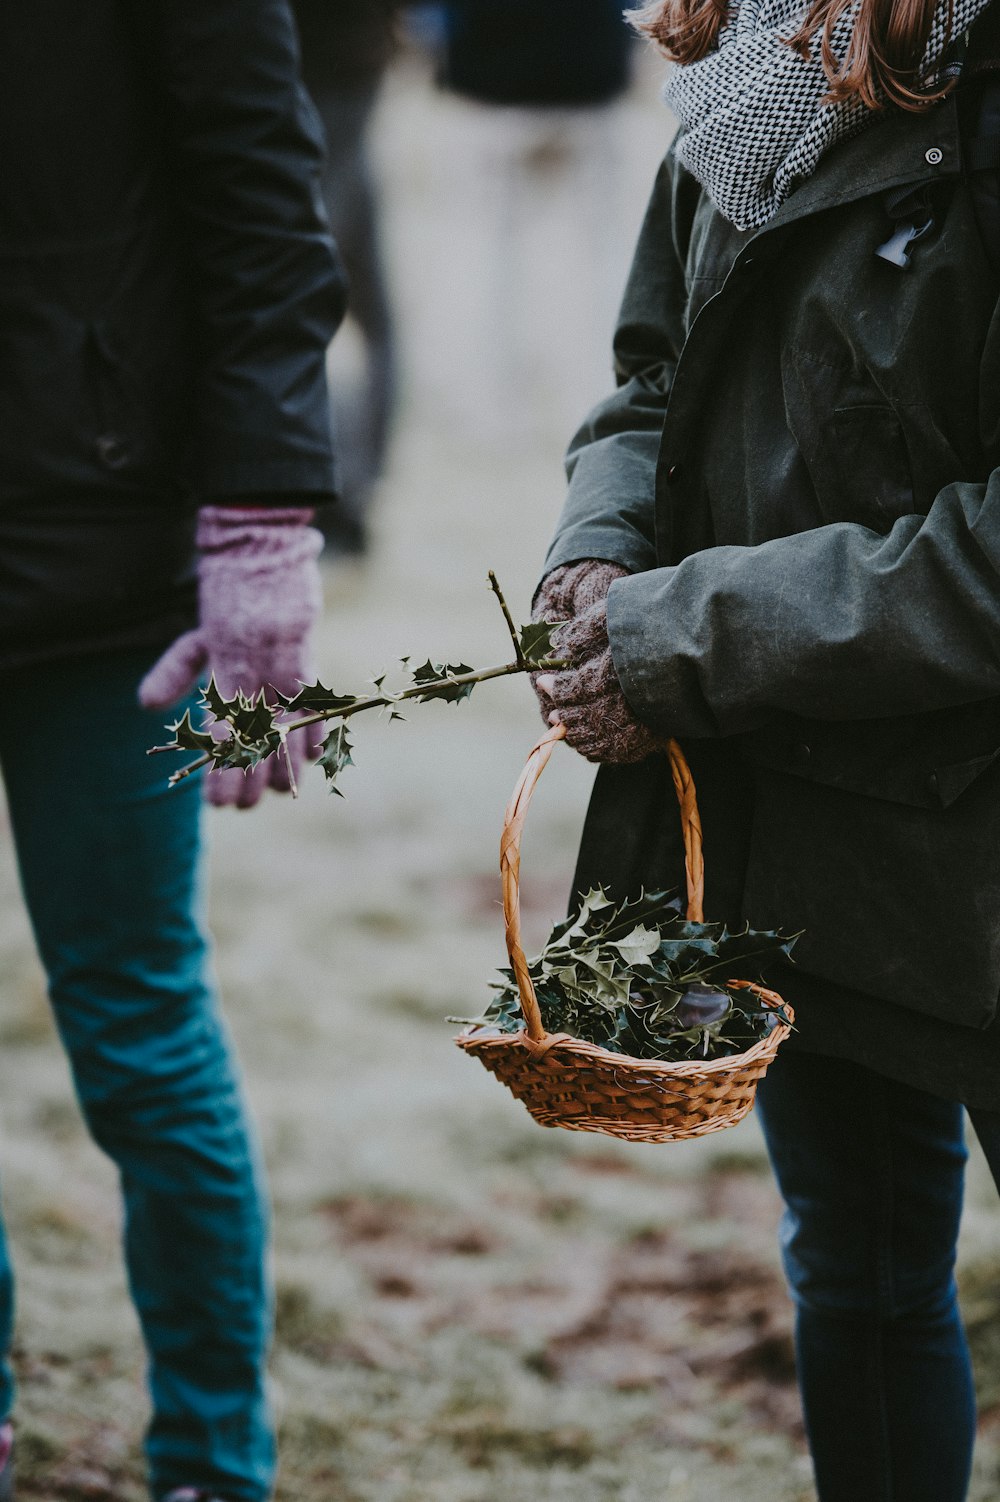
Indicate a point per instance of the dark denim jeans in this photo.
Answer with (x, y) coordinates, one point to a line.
(110, 863)
(871, 1172)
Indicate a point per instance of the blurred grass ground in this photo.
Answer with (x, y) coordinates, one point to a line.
(469, 1308)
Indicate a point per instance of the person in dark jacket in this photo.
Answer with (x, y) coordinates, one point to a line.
(169, 288)
(538, 159)
(563, 52)
(345, 51)
(781, 544)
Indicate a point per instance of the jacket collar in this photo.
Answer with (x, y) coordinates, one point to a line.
(902, 148)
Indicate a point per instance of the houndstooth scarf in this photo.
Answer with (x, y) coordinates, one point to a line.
(753, 121)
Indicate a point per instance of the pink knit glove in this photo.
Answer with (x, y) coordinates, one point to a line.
(587, 698)
(259, 595)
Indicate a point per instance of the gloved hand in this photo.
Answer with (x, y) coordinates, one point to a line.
(566, 591)
(588, 699)
(572, 588)
(259, 595)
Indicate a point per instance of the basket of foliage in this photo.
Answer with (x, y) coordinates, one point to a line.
(636, 1019)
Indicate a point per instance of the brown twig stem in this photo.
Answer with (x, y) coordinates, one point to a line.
(518, 650)
(378, 701)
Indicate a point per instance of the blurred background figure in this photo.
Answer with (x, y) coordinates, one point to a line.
(561, 52)
(544, 146)
(346, 46)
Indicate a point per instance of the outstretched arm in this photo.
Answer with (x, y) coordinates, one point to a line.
(242, 146)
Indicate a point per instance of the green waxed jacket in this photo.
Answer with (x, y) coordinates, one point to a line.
(800, 470)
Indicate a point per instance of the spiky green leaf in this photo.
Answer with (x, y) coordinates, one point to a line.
(437, 679)
(316, 698)
(535, 641)
(335, 756)
(187, 738)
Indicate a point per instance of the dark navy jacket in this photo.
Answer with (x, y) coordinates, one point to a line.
(537, 52)
(167, 291)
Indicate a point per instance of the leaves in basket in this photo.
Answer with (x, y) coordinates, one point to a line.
(641, 979)
(639, 946)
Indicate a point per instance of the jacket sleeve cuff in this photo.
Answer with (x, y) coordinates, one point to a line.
(659, 683)
(267, 478)
(609, 543)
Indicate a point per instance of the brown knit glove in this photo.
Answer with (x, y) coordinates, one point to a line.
(570, 589)
(587, 698)
(564, 593)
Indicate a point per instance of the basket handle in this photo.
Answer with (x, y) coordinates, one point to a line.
(510, 859)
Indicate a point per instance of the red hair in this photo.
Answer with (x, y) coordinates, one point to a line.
(881, 64)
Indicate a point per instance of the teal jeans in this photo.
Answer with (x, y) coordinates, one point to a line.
(109, 858)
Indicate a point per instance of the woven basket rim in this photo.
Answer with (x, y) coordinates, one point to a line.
(483, 1035)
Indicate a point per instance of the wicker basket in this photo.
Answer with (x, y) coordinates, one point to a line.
(567, 1082)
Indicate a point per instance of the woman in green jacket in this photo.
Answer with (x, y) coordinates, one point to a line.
(781, 544)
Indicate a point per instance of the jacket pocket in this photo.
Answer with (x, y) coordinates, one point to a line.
(114, 418)
(893, 880)
(865, 457)
(70, 416)
(97, 367)
(852, 441)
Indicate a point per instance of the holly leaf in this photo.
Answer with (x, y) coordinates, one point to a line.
(762, 946)
(187, 738)
(335, 756)
(741, 955)
(250, 716)
(639, 946)
(660, 909)
(581, 921)
(215, 701)
(253, 721)
(243, 754)
(437, 681)
(316, 698)
(535, 641)
(663, 1005)
(590, 978)
(596, 914)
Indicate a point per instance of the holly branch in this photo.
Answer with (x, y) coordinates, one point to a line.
(247, 729)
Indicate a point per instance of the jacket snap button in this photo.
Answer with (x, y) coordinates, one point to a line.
(112, 450)
(934, 156)
(673, 473)
(802, 752)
